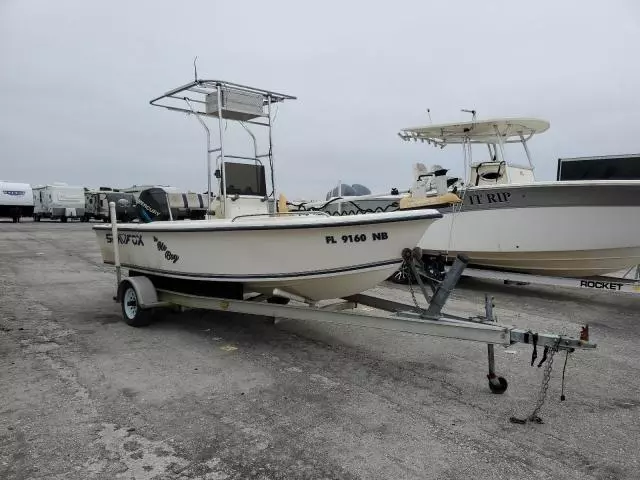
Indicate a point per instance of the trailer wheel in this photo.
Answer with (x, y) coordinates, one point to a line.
(63, 219)
(16, 219)
(278, 300)
(498, 385)
(133, 314)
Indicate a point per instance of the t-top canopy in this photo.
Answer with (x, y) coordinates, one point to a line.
(493, 131)
(237, 102)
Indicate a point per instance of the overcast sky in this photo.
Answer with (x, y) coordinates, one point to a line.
(76, 77)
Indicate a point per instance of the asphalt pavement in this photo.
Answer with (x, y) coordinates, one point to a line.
(206, 395)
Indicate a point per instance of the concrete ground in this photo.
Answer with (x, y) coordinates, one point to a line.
(216, 396)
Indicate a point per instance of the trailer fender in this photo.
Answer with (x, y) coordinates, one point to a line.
(145, 291)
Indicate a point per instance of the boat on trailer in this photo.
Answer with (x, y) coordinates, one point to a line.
(503, 219)
(253, 257)
(246, 244)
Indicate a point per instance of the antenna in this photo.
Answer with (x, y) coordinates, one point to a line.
(429, 113)
(472, 112)
(195, 68)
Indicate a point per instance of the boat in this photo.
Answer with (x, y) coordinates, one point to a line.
(247, 244)
(504, 219)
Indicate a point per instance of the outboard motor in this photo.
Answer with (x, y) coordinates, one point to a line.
(342, 190)
(360, 189)
(345, 190)
(152, 205)
(125, 205)
(427, 180)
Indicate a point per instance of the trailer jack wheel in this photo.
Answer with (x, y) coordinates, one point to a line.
(498, 385)
(133, 314)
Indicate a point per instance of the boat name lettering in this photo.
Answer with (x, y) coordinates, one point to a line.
(168, 254)
(357, 238)
(601, 285)
(127, 238)
(481, 199)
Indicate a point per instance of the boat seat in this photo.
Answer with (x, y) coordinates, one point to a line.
(490, 175)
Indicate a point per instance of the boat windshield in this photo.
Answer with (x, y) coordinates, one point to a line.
(245, 179)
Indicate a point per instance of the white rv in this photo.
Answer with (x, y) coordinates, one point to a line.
(58, 201)
(16, 200)
(136, 189)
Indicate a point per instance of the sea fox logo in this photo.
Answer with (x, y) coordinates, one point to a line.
(14, 193)
(127, 238)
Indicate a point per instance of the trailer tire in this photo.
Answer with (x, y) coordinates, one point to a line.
(63, 219)
(278, 300)
(132, 313)
(16, 219)
(498, 386)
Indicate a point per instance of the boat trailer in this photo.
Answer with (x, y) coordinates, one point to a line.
(140, 298)
(436, 268)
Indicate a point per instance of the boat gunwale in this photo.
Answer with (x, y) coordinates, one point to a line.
(196, 226)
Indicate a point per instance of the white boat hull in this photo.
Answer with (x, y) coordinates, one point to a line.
(559, 241)
(312, 256)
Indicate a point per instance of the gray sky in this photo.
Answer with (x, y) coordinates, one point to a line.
(76, 77)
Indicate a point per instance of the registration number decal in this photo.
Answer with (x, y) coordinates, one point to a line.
(356, 238)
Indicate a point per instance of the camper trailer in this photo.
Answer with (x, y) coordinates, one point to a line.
(136, 189)
(97, 205)
(58, 201)
(16, 200)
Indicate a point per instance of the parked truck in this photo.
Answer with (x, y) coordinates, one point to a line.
(16, 200)
(58, 201)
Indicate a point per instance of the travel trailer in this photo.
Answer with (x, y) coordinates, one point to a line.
(97, 205)
(58, 201)
(136, 189)
(16, 200)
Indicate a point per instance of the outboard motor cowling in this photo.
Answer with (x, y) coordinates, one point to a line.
(152, 205)
(345, 190)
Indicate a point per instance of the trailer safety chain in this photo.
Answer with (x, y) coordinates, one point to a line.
(413, 265)
(410, 284)
(534, 354)
(566, 357)
(546, 378)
